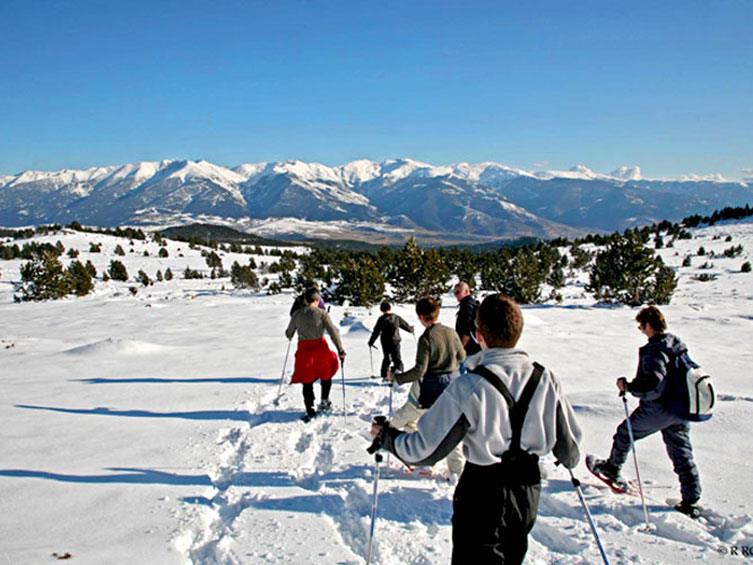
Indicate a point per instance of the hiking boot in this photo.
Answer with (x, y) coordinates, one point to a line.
(325, 406)
(609, 472)
(690, 509)
(309, 415)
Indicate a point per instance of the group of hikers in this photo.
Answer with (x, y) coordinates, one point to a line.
(482, 404)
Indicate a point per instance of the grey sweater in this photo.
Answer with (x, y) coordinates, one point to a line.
(310, 323)
(471, 410)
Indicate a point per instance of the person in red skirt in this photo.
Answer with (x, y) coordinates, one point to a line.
(313, 358)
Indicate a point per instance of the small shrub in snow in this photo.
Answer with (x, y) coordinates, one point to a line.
(688, 261)
(80, 279)
(728, 238)
(705, 277)
(159, 276)
(119, 251)
(143, 278)
(146, 253)
(91, 269)
(745, 267)
(117, 271)
(274, 288)
(243, 277)
(701, 250)
(163, 252)
(72, 253)
(733, 251)
(190, 273)
(95, 248)
(168, 274)
(133, 290)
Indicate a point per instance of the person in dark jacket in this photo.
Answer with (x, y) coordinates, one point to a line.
(465, 321)
(655, 360)
(496, 500)
(387, 330)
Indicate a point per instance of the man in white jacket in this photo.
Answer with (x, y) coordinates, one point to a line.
(507, 411)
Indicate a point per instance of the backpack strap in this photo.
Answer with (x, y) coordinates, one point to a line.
(519, 409)
(493, 380)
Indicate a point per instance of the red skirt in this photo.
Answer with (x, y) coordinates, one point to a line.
(314, 360)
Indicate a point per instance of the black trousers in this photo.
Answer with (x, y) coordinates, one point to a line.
(391, 357)
(492, 513)
(308, 393)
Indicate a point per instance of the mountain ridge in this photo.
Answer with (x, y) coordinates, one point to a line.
(482, 200)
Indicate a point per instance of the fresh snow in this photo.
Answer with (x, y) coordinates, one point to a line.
(143, 429)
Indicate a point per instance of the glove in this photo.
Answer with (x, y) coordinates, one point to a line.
(378, 426)
(622, 384)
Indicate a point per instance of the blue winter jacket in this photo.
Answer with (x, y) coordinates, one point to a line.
(655, 360)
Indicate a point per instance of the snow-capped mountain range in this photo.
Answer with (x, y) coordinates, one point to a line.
(483, 201)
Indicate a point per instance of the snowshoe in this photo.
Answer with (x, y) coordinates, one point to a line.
(691, 510)
(608, 474)
(325, 407)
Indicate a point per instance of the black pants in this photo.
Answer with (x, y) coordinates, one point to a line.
(308, 393)
(492, 514)
(391, 357)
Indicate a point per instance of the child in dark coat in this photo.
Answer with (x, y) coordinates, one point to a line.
(387, 329)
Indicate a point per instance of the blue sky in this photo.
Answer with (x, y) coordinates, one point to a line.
(664, 85)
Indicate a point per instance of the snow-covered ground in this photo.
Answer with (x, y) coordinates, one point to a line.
(143, 429)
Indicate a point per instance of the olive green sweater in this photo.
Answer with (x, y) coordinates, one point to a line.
(310, 323)
(439, 351)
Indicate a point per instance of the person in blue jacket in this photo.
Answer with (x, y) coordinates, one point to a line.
(655, 360)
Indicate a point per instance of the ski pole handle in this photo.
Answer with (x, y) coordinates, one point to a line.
(376, 445)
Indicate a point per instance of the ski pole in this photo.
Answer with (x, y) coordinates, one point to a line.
(374, 449)
(371, 361)
(282, 376)
(342, 375)
(392, 386)
(635, 458)
(377, 460)
(576, 484)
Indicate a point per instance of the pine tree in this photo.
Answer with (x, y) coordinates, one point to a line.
(43, 278)
(628, 272)
(143, 278)
(168, 274)
(91, 269)
(163, 253)
(360, 282)
(117, 271)
(159, 276)
(418, 273)
(119, 251)
(243, 277)
(80, 279)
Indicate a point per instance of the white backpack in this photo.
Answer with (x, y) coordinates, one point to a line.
(691, 391)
